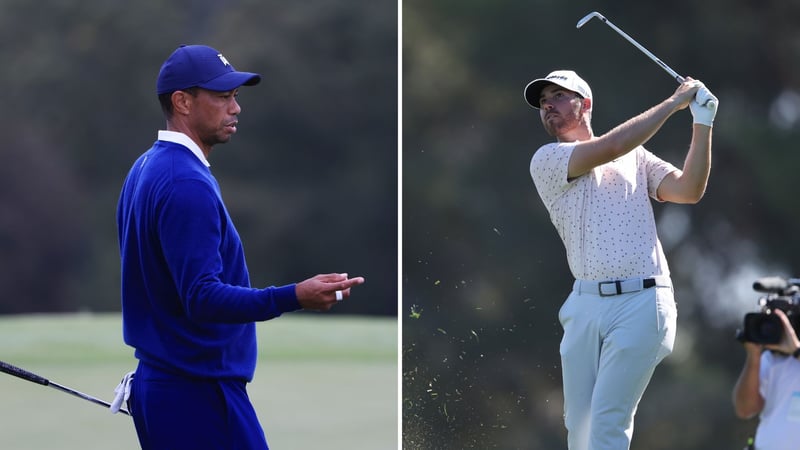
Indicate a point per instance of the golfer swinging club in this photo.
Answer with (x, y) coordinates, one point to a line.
(187, 306)
(619, 320)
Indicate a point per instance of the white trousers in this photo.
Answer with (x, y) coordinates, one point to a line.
(611, 346)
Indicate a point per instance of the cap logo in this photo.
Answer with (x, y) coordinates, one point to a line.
(556, 77)
(222, 58)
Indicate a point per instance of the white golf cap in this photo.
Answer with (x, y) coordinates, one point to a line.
(565, 78)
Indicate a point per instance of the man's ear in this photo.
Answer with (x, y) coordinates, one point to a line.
(587, 104)
(181, 102)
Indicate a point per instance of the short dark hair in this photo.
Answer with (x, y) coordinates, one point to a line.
(166, 100)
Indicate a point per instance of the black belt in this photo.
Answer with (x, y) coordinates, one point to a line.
(618, 287)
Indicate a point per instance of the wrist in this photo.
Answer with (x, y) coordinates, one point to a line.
(707, 123)
(703, 118)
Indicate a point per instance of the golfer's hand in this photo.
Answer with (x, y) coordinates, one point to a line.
(318, 293)
(685, 92)
(704, 106)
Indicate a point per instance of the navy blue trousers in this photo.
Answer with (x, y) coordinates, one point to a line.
(172, 412)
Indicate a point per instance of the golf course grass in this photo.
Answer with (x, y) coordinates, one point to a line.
(322, 382)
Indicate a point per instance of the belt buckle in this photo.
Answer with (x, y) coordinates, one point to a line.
(617, 284)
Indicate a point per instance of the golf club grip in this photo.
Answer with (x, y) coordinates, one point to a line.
(22, 373)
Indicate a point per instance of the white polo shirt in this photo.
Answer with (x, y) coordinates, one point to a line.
(779, 385)
(604, 217)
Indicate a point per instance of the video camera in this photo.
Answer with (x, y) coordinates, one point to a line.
(764, 327)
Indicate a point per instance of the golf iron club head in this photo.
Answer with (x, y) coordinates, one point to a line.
(589, 17)
(654, 58)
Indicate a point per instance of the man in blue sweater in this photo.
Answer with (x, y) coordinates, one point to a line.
(188, 308)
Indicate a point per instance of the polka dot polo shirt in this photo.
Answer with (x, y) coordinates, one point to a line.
(604, 217)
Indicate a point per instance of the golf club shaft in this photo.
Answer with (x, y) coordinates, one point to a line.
(33, 378)
(653, 57)
(84, 396)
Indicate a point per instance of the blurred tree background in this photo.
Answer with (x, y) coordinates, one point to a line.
(310, 179)
(484, 272)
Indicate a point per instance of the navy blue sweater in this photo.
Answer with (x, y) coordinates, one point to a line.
(187, 304)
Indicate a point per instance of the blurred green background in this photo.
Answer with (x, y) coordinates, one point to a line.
(310, 178)
(321, 382)
(483, 270)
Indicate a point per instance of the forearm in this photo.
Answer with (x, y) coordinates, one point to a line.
(220, 303)
(697, 166)
(621, 139)
(638, 130)
(747, 400)
(689, 185)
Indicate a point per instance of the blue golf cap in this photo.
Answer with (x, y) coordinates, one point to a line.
(201, 66)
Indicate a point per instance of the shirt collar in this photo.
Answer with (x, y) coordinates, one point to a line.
(184, 140)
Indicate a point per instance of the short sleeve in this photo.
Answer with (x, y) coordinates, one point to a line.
(549, 170)
(657, 169)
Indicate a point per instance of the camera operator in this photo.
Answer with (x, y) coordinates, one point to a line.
(769, 385)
